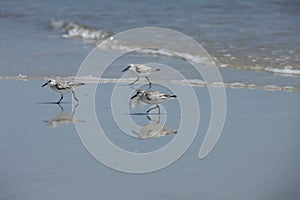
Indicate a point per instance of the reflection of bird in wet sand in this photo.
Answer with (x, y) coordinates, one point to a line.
(154, 130)
(63, 118)
(141, 71)
(62, 87)
(152, 97)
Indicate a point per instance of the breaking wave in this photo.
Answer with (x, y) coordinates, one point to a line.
(96, 36)
(74, 29)
(288, 70)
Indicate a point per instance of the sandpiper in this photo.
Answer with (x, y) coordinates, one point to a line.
(141, 71)
(62, 87)
(152, 97)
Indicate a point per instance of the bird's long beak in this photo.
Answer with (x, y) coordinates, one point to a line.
(45, 84)
(134, 96)
(126, 69)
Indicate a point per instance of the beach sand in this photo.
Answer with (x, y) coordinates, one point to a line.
(256, 156)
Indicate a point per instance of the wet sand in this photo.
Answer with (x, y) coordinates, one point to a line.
(256, 156)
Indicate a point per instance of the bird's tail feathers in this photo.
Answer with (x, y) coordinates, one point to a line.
(171, 96)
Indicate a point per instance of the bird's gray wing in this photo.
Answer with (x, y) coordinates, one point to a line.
(143, 68)
(63, 85)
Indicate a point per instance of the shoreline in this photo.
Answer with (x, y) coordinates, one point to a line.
(191, 82)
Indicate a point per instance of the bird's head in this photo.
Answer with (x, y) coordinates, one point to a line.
(50, 81)
(138, 93)
(129, 67)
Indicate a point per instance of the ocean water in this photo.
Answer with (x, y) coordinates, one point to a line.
(255, 45)
(251, 42)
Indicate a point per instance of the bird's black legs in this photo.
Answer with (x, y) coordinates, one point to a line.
(150, 84)
(61, 97)
(135, 81)
(61, 108)
(157, 106)
(74, 109)
(74, 96)
(157, 121)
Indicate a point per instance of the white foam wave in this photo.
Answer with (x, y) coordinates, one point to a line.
(74, 29)
(288, 70)
(132, 47)
(191, 82)
(95, 35)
